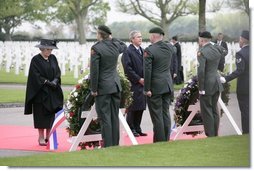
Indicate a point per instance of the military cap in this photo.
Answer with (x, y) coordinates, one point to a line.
(157, 30)
(105, 29)
(47, 44)
(205, 34)
(245, 34)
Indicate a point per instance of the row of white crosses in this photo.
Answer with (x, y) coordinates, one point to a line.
(18, 55)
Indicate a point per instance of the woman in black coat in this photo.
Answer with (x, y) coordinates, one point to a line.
(44, 96)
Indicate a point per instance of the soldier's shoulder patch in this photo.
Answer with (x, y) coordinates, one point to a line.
(199, 54)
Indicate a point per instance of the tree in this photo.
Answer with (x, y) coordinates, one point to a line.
(241, 5)
(202, 16)
(79, 11)
(13, 13)
(160, 12)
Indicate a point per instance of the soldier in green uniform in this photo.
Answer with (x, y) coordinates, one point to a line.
(158, 85)
(209, 83)
(105, 83)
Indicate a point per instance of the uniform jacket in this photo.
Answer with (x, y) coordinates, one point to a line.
(208, 78)
(158, 58)
(37, 91)
(103, 66)
(242, 71)
(132, 62)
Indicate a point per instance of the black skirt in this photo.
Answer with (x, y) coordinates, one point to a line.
(42, 118)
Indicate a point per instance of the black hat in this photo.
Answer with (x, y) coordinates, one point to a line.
(47, 44)
(205, 34)
(157, 30)
(105, 29)
(245, 34)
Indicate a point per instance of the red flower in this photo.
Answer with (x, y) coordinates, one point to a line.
(78, 86)
(71, 114)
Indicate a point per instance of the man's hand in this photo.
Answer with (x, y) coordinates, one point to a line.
(148, 93)
(202, 92)
(222, 80)
(94, 93)
(141, 81)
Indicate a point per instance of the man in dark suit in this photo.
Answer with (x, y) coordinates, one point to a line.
(158, 83)
(209, 83)
(132, 61)
(242, 74)
(179, 78)
(105, 83)
(222, 43)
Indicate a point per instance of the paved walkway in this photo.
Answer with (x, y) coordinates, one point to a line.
(15, 116)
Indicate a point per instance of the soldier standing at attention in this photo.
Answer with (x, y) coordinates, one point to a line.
(209, 83)
(158, 85)
(242, 73)
(105, 83)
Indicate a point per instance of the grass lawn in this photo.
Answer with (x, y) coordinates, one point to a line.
(217, 151)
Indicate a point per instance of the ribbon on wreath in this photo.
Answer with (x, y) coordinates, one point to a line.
(59, 118)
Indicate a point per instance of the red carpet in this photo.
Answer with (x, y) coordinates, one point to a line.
(26, 138)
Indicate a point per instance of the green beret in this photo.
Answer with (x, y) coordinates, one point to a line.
(105, 29)
(157, 30)
(205, 34)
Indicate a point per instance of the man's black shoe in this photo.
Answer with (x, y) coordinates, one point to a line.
(136, 134)
(142, 134)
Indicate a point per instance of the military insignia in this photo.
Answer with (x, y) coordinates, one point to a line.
(92, 52)
(199, 54)
(238, 60)
(145, 54)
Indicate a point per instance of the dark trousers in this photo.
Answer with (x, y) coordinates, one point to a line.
(107, 108)
(158, 106)
(134, 120)
(243, 101)
(210, 115)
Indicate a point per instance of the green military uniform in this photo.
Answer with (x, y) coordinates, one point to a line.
(106, 82)
(157, 76)
(209, 82)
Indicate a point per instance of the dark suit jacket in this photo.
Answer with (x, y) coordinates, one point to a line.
(132, 62)
(157, 68)
(103, 67)
(222, 60)
(242, 71)
(208, 77)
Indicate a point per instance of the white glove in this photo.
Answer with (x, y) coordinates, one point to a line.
(222, 80)
(202, 92)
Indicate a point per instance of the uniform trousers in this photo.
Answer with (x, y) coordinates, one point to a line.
(107, 108)
(210, 115)
(158, 106)
(243, 101)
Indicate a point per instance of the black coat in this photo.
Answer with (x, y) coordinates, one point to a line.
(132, 62)
(38, 92)
(242, 71)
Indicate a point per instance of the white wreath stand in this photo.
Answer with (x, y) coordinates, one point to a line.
(200, 128)
(89, 115)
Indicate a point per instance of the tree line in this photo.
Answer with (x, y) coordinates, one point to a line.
(85, 15)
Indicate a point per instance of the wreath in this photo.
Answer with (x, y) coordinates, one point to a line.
(80, 100)
(189, 95)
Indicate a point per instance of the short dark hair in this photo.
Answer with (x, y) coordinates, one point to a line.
(175, 38)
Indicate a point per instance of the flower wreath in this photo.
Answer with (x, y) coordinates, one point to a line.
(75, 103)
(189, 95)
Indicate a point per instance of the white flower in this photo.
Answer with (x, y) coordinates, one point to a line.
(76, 99)
(80, 81)
(75, 94)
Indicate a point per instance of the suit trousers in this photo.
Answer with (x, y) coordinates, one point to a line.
(158, 106)
(107, 108)
(209, 113)
(134, 120)
(243, 101)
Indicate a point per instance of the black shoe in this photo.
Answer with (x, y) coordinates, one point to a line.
(142, 134)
